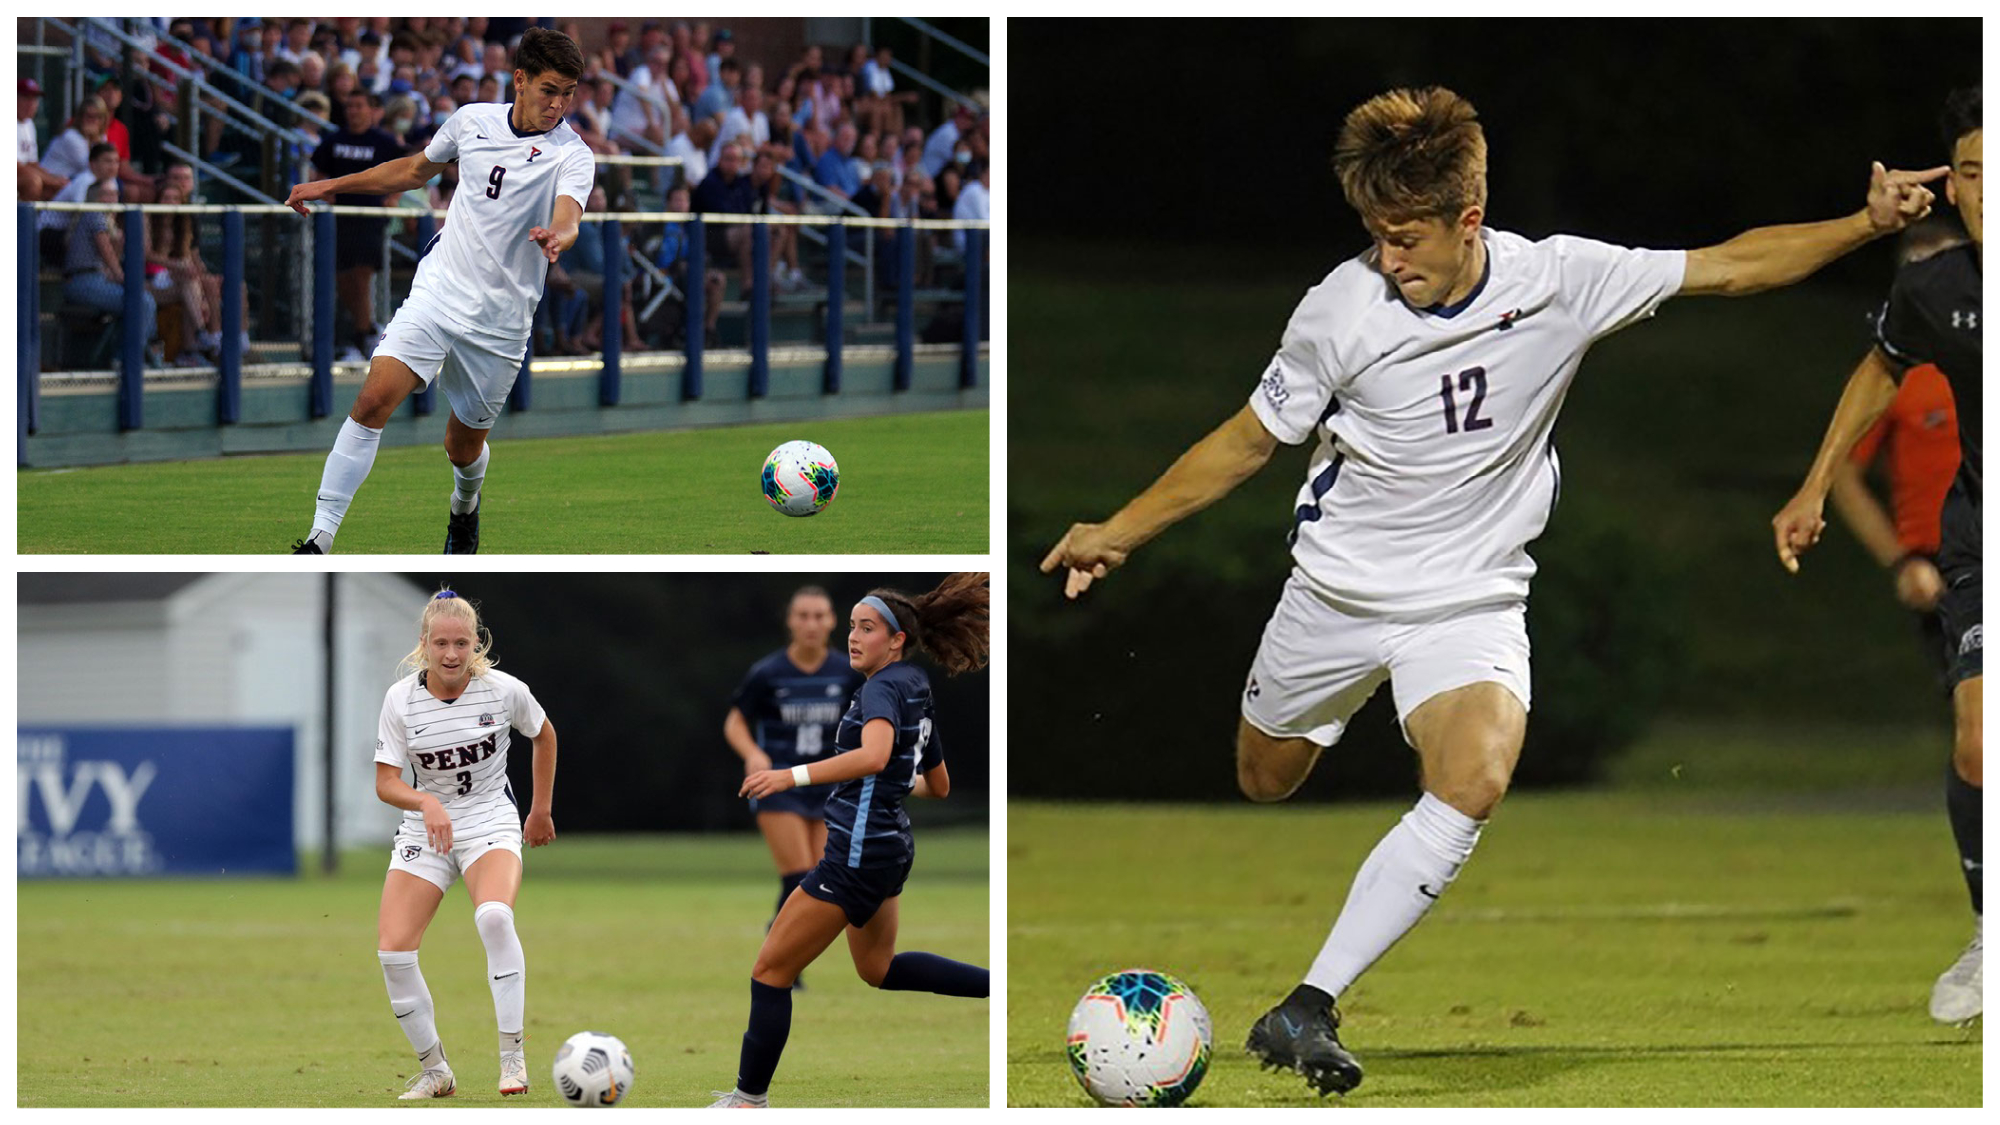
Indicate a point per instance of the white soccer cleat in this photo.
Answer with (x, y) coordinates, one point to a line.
(513, 1074)
(1956, 996)
(737, 1099)
(434, 1083)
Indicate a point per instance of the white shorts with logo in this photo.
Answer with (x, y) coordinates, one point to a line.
(475, 370)
(412, 852)
(1318, 663)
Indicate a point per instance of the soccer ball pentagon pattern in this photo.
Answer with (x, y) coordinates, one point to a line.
(1139, 1038)
(593, 1068)
(800, 478)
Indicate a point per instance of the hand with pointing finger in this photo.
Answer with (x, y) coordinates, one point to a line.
(1897, 199)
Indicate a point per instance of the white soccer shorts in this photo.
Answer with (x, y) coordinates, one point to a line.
(412, 852)
(475, 371)
(1317, 663)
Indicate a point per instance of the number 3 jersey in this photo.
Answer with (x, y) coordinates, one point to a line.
(792, 713)
(865, 822)
(1435, 465)
(480, 271)
(459, 748)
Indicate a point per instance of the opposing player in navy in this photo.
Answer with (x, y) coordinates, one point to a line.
(888, 748)
(1430, 370)
(781, 717)
(449, 722)
(1932, 316)
(466, 322)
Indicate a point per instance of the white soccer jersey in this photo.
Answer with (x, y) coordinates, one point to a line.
(1435, 466)
(459, 749)
(481, 271)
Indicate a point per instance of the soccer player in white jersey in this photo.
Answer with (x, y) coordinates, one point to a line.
(449, 722)
(1430, 370)
(467, 320)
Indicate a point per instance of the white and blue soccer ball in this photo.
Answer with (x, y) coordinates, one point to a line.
(593, 1069)
(1139, 1038)
(800, 478)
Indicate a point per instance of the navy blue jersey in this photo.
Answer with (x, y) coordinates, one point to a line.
(792, 713)
(1932, 316)
(343, 154)
(865, 822)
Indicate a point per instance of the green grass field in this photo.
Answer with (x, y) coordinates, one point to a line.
(909, 484)
(267, 993)
(1685, 941)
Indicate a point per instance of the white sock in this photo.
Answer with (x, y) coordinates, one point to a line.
(1405, 873)
(465, 497)
(506, 968)
(346, 467)
(410, 1002)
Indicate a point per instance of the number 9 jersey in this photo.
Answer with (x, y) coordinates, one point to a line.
(459, 748)
(865, 822)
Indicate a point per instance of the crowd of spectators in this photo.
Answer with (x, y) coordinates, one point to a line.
(377, 87)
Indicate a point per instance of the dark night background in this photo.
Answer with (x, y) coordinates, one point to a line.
(1173, 198)
(1644, 132)
(636, 671)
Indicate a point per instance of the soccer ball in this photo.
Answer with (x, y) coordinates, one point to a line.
(1139, 1038)
(800, 478)
(593, 1068)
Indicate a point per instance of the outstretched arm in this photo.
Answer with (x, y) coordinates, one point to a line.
(1869, 390)
(1771, 257)
(1207, 472)
(554, 241)
(388, 178)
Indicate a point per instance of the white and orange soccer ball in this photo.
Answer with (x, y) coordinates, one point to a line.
(800, 478)
(1139, 1038)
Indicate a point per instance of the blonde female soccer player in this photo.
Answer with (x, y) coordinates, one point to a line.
(887, 749)
(780, 717)
(449, 721)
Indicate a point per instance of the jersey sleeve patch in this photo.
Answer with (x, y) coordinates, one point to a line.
(1292, 396)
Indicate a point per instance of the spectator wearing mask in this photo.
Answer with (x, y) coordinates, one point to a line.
(938, 148)
(766, 195)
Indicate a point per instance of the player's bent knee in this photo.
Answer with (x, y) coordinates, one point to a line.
(1271, 769)
(872, 971)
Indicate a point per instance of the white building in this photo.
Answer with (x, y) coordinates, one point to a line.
(227, 649)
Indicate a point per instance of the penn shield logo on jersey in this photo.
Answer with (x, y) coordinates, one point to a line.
(532, 153)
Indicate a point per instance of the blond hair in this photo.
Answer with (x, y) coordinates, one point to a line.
(446, 603)
(1412, 154)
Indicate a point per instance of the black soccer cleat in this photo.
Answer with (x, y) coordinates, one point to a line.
(461, 535)
(1304, 1036)
(306, 547)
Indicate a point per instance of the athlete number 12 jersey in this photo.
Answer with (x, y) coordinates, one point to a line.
(1435, 465)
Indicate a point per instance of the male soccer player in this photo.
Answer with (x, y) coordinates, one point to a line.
(1431, 369)
(470, 310)
(1932, 316)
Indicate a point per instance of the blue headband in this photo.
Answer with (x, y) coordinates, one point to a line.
(882, 607)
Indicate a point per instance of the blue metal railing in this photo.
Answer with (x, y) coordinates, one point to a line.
(610, 227)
